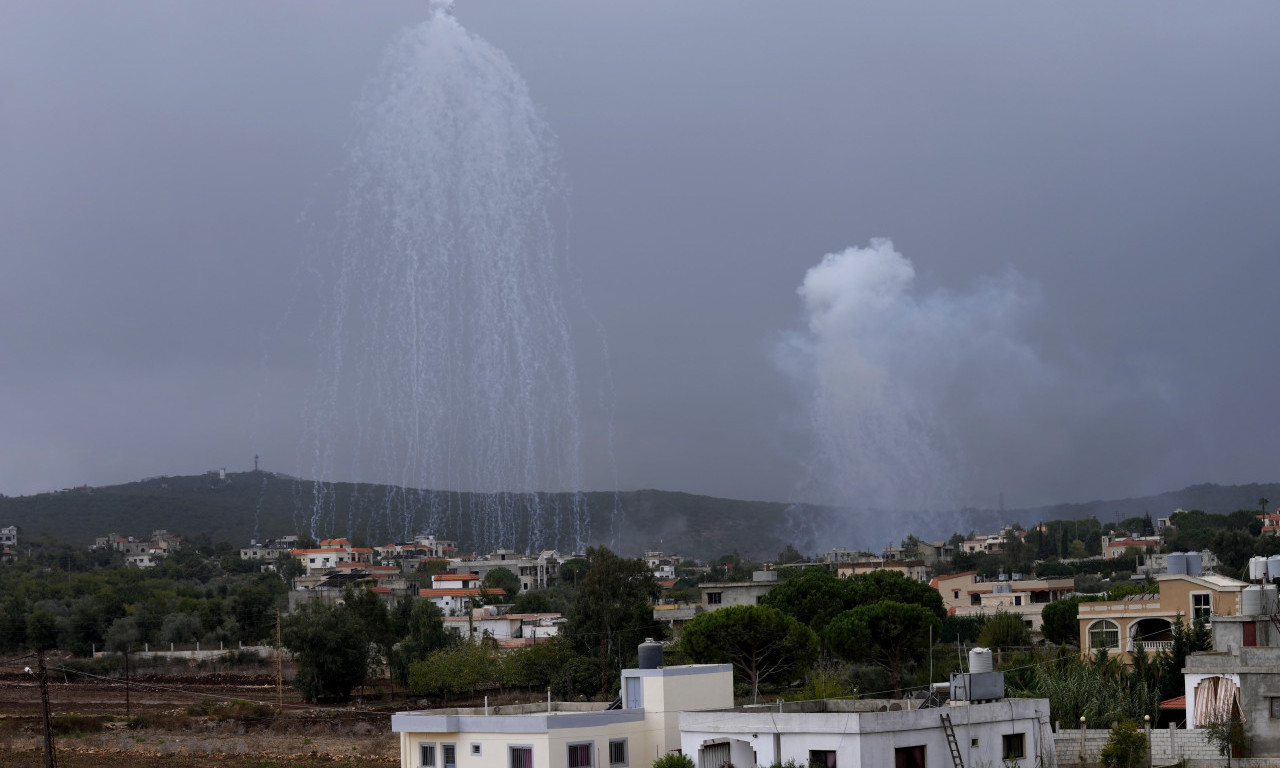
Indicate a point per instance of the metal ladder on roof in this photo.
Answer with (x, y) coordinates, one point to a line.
(956, 758)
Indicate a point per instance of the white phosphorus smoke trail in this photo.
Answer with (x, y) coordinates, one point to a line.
(447, 345)
(898, 382)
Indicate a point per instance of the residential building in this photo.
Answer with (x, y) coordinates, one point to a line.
(454, 593)
(9, 536)
(1116, 546)
(1270, 523)
(644, 725)
(1240, 677)
(330, 554)
(1146, 620)
(508, 630)
(871, 733)
(991, 543)
(270, 550)
(912, 569)
(968, 594)
(535, 571)
(143, 553)
(723, 594)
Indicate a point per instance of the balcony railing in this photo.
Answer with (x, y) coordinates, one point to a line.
(1153, 646)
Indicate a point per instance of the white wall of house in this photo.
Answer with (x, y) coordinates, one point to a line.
(644, 724)
(869, 739)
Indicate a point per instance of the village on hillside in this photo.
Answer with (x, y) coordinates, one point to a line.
(1048, 645)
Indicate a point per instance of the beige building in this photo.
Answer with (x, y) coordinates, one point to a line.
(1146, 620)
(564, 734)
(912, 569)
(723, 594)
(968, 594)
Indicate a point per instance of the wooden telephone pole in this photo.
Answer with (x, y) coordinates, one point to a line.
(50, 758)
(279, 666)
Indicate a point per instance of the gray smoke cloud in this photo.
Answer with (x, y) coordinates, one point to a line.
(939, 399)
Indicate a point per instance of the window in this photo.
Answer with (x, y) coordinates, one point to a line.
(822, 758)
(908, 757)
(1275, 707)
(1015, 746)
(1104, 635)
(450, 755)
(580, 755)
(1201, 605)
(955, 594)
(973, 743)
(975, 599)
(521, 757)
(715, 598)
(426, 756)
(618, 752)
(1017, 599)
(635, 693)
(475, 749)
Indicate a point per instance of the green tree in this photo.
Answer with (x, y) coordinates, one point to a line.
(673, 760)
(375, 621)
(331, 650)
(813, 598)
(289, 567)
(537, 665)
(42, 630)
(1060, 620)
(426, 633)
(887, 634)
(458, 669)
(1004, 630)
(612, 610)
(1126, 747)
(762, 643)
(504, 579)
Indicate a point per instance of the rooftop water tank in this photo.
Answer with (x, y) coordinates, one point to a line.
(1269, 598)
(979, 660)
(1195, 562)
(1251, 600)
(1177, 563)
(1257, 568)
(650, 654)
(1273, 567)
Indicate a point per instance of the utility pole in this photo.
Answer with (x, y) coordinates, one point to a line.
(279, 667)
(127, 680)
(50, 759)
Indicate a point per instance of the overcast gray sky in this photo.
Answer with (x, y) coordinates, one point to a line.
(1077, 301)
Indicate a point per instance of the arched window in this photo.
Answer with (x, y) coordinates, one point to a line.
(1104, 634)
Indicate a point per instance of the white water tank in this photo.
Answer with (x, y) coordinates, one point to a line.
(1251, 600)
(1177, 563)
(1273, 567)
(1257, 568)
(980, 660)
(1194, 564)
(1270, 597)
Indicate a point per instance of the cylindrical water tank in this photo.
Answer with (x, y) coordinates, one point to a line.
(1269, 598)
(980, 660)
(1257, 568)
(1251, 600)
(650, 654)
(1273, 567)
(1177, 563)
(1194, 561)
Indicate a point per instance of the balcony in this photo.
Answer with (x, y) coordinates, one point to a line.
(1153, 646)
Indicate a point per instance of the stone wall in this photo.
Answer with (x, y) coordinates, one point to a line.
(1168, 745)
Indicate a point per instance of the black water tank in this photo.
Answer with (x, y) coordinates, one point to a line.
(650, 654)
